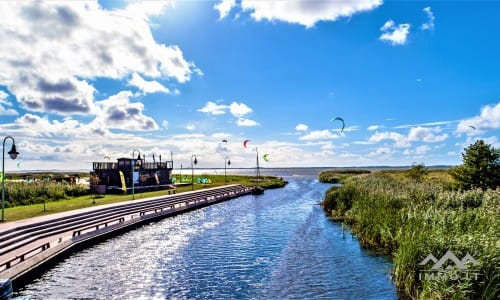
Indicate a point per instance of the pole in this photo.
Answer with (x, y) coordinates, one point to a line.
(132, 173)
(226, 162)
(192, 171)
(3, 181)
(13, 154)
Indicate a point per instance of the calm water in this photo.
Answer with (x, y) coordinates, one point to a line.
(275, 246)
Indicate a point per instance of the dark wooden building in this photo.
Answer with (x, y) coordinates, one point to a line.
(117, 176)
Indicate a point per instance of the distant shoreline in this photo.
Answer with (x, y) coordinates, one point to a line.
(374, 168)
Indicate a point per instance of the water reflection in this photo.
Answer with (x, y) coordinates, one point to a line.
(275, 246)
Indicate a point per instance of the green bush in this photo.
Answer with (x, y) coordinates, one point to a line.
(26, 193)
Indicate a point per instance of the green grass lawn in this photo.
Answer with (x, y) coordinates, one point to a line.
(50, 207)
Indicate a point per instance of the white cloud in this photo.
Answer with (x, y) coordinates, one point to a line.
(57, 48)
(319, 135)
(118, 112)
(399, 139)
(224, 7)
(488, 119)
(236, 109)
(421, 150)
(246, 122)
(381, 151)
(301, 127)
(239, 109)
(213, 108)
(426, 135)
(429, 25)
(3, 105)
(147, 86)
(416, 134)
(396, 35)
(164, 124)
(373, 127)
(303, 12)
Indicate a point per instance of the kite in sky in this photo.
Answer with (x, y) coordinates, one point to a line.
(266, 157)
(341, 120)
(245, 143)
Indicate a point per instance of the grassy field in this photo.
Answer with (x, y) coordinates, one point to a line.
(55, 200)
(410, 219)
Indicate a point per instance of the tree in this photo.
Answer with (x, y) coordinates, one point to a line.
(480, 168)
(418, 172)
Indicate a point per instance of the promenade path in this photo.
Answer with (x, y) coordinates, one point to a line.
(27, 245)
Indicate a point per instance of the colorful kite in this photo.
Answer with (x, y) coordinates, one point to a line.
(266, 157)
(245, 143)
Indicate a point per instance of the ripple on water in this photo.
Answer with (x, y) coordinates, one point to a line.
(275, 246)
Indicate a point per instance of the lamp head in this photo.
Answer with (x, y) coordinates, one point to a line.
(13, 152)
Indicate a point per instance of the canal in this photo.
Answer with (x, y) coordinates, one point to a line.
(278, 245)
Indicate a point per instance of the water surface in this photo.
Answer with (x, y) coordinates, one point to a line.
(278, 245)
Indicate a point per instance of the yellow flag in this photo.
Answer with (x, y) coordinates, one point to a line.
(124, 186)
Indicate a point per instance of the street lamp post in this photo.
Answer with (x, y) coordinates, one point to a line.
(132, 172)
(13, 154)
(227, 162)
(192, 170)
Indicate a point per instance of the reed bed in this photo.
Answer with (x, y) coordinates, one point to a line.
(18, 193)
(410, 220)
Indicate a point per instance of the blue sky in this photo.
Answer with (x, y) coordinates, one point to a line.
(414, 81)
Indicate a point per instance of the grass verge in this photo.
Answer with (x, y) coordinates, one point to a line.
(71, 203)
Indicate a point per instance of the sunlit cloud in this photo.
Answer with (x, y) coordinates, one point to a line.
(394, 34)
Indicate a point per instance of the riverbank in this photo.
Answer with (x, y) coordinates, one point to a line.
(32, 199)
(444, 243)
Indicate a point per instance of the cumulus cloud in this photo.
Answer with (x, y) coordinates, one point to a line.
(399, 139)
(429, 25)
(147, 86)
(301, 127)
(395, 34)
(224, 7)
(246, 122)
(303, 12)
(416, 134)
(57, 48)
(213, 108)
(319, 135)
(119, 112)
(239, 109)
(4, 104)
(235, 108)
(488, 119)
(426, 135)
(381, 151)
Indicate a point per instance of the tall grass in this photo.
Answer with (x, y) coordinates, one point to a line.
(19, 193)
(410, 220)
